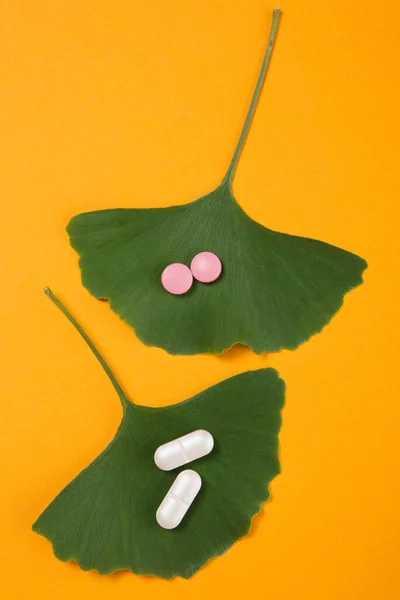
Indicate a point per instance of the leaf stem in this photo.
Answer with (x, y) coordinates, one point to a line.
(264, 67)
(111, 376)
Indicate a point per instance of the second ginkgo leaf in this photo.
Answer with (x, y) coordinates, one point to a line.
(106, 518)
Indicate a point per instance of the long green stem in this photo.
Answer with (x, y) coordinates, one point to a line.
(264, 67)
(89, 342)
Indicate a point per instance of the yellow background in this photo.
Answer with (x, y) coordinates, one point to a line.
(139, 103)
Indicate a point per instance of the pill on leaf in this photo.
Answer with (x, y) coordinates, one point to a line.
(183, 450)
(178, 499)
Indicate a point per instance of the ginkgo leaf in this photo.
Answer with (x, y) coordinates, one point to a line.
(105, 519)
(276, 290)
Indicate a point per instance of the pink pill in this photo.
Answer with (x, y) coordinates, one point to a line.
(177, 278)
(206, 267)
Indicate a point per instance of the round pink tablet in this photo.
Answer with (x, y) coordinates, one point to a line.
(206, 267)
(177, 278)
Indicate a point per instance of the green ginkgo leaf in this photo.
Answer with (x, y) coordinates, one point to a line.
(105, 518)
(276, 290)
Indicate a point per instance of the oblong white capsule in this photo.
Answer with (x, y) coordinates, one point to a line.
(178, 499)
(184, 449)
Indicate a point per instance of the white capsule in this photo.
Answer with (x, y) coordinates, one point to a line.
(183, 450)
(178, 499)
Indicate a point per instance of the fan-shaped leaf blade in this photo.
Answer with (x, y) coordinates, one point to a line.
(276, 290)
(105, 518)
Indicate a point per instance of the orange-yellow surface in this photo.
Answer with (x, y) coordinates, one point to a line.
(119, 104)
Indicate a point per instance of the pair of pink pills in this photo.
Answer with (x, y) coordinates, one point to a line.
(177, 278)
